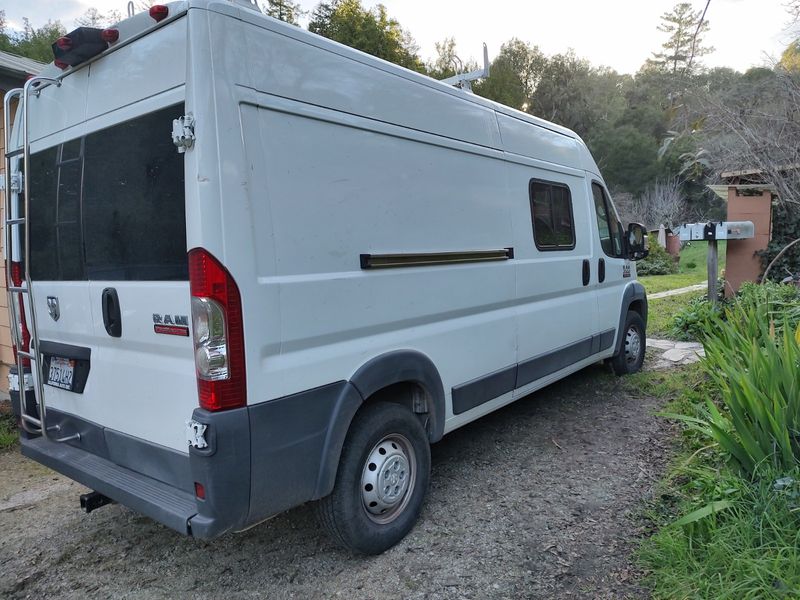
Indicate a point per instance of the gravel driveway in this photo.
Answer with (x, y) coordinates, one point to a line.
(537, 500)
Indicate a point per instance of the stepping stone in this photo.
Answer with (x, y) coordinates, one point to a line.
(662, 344)
(675, 355)
(688, 345)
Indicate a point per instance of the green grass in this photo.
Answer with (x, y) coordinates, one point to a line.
(748, 548)
(693, 254)
(661, 311)
(8, 429)
(716, 532)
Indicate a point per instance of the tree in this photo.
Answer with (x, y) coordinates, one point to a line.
(574, 94)
(514, 74)
(285, 10)
(628, 158)
(790, 59)
(684, 46)
(371, 31)
(94, 18)
(661, 203)
(36, 43)
(444, 65)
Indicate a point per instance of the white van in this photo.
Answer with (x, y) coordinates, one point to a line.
(259, 268)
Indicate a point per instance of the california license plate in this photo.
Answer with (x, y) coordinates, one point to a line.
(61, 372)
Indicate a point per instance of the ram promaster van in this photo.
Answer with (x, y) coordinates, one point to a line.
(252, 268)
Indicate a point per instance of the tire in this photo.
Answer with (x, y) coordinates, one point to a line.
(358, 515)
(634, 342)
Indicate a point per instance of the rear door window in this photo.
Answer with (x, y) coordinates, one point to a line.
(111, 206)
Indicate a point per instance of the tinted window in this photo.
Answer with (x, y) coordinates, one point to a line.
(608, 226)
(110, 206)
(551, 212)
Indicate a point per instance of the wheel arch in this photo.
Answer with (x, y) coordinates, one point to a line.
(633, 298)
(395, 369)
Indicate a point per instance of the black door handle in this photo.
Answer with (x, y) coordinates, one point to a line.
(601, 270)
(112, 317)
(587, 271)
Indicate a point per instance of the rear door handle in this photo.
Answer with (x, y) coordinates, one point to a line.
(112, 317)
(601, 270)
(587, 271)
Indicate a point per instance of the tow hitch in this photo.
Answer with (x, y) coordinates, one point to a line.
(93, 500)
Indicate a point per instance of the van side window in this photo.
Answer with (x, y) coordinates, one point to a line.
(608, 226)
(551, 214)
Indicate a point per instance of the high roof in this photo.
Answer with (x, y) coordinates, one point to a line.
(18, 66)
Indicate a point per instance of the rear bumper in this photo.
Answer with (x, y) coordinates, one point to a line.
(166, 504)
(153, 480)
(260, 460)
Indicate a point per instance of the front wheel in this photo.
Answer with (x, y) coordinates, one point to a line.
(382, 480)
(631, 356)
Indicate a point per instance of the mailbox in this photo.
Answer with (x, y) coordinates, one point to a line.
(723, 230)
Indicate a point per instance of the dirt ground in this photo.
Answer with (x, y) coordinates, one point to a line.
(537, 500)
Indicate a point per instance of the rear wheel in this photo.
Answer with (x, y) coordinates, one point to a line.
(382, 479)
(631, 356)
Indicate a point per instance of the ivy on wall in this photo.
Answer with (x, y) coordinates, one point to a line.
(785, 229)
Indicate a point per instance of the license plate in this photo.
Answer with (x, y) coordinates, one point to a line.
(61, 372)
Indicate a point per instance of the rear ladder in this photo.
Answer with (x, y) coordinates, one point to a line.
(31, 424)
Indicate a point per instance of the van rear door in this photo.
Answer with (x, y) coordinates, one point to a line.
(110, 278)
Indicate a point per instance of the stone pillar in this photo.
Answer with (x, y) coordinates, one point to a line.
(741, 262)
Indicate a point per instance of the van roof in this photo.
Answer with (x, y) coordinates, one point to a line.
(138, 24)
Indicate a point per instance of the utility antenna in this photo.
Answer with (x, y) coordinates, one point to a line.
(464, 80)
(131, 9)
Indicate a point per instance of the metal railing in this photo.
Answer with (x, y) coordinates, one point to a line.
(31, 424)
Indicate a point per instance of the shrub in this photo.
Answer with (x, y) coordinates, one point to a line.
(690, 322)
(691, 265)
(753, 367)
(658, 261)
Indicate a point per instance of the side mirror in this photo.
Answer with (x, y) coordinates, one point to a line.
(637, 241)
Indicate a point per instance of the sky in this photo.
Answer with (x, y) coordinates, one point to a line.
(620, 34)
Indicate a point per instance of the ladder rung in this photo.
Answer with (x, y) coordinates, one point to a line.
(21, 290)
(32, 420)
(30, 355)
(19, 221)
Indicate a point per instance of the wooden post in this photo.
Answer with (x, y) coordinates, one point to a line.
(712, 263)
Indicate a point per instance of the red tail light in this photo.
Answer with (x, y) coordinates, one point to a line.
(110, 35)
(218, 333)
(159, 12)
(25, 335)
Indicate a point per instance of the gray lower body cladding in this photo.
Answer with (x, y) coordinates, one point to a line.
(261, 460)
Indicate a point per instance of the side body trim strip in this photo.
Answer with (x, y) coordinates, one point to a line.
(427, 259)
(471, 394)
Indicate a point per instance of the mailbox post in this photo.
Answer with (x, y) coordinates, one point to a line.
(711, 233)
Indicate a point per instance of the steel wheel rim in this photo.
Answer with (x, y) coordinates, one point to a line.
(388, 478)
(633, 344)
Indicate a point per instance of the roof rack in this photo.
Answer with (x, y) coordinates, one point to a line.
(464, 80)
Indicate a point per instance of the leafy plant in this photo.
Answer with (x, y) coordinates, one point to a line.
(754, 370)
(691, 265)
(658, 261)
(692, 321)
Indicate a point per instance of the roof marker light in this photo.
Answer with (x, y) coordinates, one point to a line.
(64, 43)
(110, 35)
(159, 12)
(60, 64)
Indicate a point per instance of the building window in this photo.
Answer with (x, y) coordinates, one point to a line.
(551, 214)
